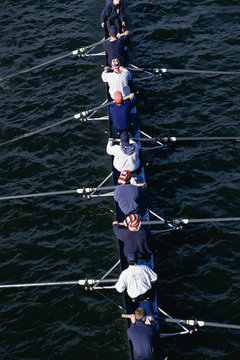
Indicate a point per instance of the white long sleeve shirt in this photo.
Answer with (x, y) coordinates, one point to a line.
(121, 160)
(117, 82)
(136, 279)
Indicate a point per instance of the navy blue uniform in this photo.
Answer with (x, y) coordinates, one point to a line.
(131, 199)
(133, 241)
(113, 15)
(145, 340)
(120, 115)
(115, 50)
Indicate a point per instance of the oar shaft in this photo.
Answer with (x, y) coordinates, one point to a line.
(100, 106)
(189, 221)
(34, 132)
(82, 116)
(96, 43)
(56, 283)
(193, 138)
(226, 326)
(202, 323)
(159, 71)
(206, 138)
(210, 72)
(51, 193)
(74, 52)
(83, 191)
(84, 282)
(38, 66)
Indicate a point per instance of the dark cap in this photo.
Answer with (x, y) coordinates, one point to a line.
(113, 30)
(124, 138)
(132, 257)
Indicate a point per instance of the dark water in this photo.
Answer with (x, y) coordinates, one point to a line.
(64, 238)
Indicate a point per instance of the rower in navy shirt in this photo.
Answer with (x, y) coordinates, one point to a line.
(114, 47)
(131, 198)
(144, 336)
(133, 237)
(120, 112)
(113, 14)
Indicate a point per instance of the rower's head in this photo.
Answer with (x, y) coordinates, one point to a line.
(116, 2)
(112, 30)
(124, 177)
(118, 98)
(124, 137)
(132, 258)
(115, 65)
(140, 313)
(133, 222)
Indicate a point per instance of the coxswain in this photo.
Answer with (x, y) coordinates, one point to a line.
(113, 14)
(143, 336)
(118, 79)
(125, 152)
(131, 198)
(133, 237)
(120, 112)
(136, 279)
(114, 47)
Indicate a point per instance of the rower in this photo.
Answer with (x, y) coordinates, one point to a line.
(113, 14)
(120, 112)
(114, 47)
(125, 152)
(131, 198)
(117, 78)
(143, 336)
(133, 237)
(136, 279)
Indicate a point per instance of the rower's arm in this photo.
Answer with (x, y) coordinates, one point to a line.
(120, 285)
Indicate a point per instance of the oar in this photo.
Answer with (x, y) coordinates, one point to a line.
(167, 139)
(82, 116)
(190, 221)
(160, 71)
(190, 322)
(85, 191)
(74, 52)
(85, 282)
(202, 323)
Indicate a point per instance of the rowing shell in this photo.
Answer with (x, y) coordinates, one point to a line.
(150, 306)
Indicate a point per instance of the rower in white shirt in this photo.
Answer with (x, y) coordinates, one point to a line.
(136, 279)
(126, 154)
(118, 79)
